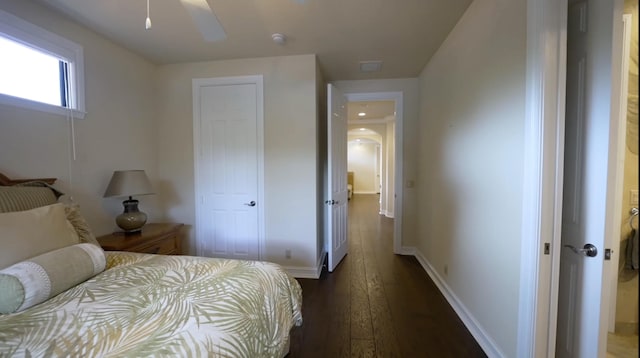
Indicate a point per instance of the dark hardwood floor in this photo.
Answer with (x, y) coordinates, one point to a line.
(377, 304)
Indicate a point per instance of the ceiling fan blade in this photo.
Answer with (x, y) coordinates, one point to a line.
(205, 20)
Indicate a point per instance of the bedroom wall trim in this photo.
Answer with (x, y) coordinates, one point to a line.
(301, 272)
(306, 272)
(481, 336)
(408, 251)
(388, 214)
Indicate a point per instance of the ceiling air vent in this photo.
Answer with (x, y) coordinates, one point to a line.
(370, 66)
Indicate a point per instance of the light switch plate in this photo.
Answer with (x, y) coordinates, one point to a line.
(634, 197)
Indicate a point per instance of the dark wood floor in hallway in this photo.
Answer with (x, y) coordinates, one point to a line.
(377, 304)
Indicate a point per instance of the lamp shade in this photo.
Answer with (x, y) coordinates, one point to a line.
(128, 183)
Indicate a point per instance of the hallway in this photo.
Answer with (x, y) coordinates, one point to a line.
(377, 304)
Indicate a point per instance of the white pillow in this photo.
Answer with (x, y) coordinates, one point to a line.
(25, 234)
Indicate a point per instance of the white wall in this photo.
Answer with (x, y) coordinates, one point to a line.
(472, 109)
(117, 133)
(361, 160)
(291, 149)
(140, 117)
(381, 137)
(411, 101)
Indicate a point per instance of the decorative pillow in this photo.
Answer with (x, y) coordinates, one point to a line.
(80, 224)
(25, 234)
(41, 184)
(19, 198)
(37, 279)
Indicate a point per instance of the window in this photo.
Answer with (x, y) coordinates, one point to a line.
(30, 74)
(39, 69)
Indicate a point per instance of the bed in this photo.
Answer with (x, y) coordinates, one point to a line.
(132, 304)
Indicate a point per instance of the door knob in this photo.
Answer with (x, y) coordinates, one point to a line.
(588, 250)
(251, 203)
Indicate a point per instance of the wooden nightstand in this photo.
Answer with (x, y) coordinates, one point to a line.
(161, 239)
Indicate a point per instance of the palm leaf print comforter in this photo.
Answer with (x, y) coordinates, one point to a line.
(155, 305)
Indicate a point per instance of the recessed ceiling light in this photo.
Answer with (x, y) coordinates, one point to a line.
(280, 39)
(363, 129)
(361, 114)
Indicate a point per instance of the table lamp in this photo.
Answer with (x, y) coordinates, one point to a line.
(129, 183)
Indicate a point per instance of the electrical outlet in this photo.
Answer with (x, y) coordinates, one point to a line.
(287, 254)
(634, 197)
(446, 269)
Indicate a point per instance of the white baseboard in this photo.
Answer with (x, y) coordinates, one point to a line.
(484, 340)
(408, 251)
(306, 272)
(301, 272)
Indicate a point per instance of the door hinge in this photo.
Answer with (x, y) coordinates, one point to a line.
(607, 254)
(547, 248)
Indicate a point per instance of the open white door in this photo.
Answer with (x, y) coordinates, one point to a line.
(336, 201)
(581, 327)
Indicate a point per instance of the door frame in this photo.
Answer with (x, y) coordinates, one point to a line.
(613, 240)
(543, 176)
(397, 97)
(542, 186)
(197, 84)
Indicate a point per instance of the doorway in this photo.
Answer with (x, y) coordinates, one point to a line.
(623, 282)
(388, 125)
(370, 160)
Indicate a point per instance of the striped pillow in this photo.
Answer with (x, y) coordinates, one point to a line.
(19, 198)
(37, 279)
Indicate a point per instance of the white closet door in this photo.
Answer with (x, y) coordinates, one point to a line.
(227, 114)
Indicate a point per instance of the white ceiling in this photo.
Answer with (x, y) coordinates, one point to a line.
(376, 112)
(402, 33)
(372, 110)
(360, 132)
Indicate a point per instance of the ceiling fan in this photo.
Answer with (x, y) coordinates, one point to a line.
(204, 18)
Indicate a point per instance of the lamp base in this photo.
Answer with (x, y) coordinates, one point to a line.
(131, 220)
